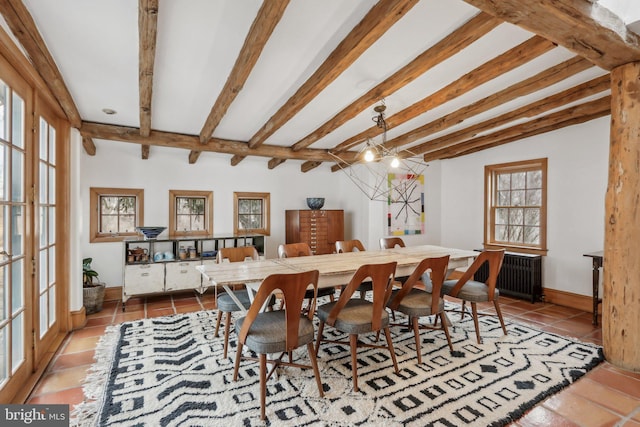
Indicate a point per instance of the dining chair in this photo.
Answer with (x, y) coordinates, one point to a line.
(470, 290)
(391, 242)
(279, 331)
(415, 302)
(292, 250)
(343, 246)
(225, 302)
(354, 316)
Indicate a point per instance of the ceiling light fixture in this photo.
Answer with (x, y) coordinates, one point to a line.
(377, 167)
(109, 111)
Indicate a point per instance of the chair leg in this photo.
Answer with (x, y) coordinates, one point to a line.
(499, 313)
(445, 328)
(319, 337)
(237, 364)
(353, 338)
(387, 333)
(416, 334)
(314, 365)
(263, 384)
(462, 310)
(226, 334)
(218, 318)
(474, 312)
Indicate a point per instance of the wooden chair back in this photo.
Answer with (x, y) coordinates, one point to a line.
(391, 242)
(238, 254)
(349, 246)
(292, 250)
(382, 278)
(438, 267)
(494, 257)
(293, 287)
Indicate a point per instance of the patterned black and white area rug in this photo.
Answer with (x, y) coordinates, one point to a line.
(169, 371)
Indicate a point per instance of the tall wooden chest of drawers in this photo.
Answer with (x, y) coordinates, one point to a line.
(318, 228)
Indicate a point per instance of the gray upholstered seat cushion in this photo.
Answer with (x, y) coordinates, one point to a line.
(355, 316)
(418, 303)
(268, 332)
(225, 303)
(471, 291)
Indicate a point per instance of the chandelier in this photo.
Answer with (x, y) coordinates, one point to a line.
(381, 172)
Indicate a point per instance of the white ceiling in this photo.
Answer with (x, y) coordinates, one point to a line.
(95, 45)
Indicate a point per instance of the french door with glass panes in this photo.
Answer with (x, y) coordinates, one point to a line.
(29, 297)
(45, 286)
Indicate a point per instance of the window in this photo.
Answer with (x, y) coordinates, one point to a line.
(251, 213)
(516, 206)
(115, 213)
(190, 213)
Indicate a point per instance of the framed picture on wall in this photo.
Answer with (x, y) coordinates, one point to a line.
(405, 213)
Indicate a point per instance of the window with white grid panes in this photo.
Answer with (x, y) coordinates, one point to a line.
(515, 208)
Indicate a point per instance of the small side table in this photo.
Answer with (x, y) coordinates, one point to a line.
(597, 259)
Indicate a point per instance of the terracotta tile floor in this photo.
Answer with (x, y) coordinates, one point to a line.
(606, 396)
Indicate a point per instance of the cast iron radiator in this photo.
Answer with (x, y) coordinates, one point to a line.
(520, 276)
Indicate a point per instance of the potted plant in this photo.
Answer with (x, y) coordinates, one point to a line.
(92, 291)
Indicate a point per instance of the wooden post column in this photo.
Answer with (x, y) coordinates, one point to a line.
(621, 272)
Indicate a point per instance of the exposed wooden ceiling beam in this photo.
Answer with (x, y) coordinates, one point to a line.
(274, 162)
(592, 87)
(537, 82)
(376, 22)
(572, 115)
(464, 36)
(25, 30)
(537, 131)
(88, 145)
(193, 156)
(582, 26)
(237, 158)
(144, 151)
(192, 142)
(507, 61)
(147, 31)
(309, 165)
(263, 25)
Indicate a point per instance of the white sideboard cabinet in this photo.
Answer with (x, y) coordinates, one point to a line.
(168, 265)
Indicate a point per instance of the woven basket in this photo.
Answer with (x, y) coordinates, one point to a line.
(93, 296)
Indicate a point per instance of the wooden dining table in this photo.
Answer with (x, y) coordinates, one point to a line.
(335, 269)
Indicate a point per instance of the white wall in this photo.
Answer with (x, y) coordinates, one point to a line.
(377, 215)
(119, 165)
(577, 180)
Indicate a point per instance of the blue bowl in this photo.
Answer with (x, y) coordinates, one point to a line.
(150, 232)
(315, 203)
